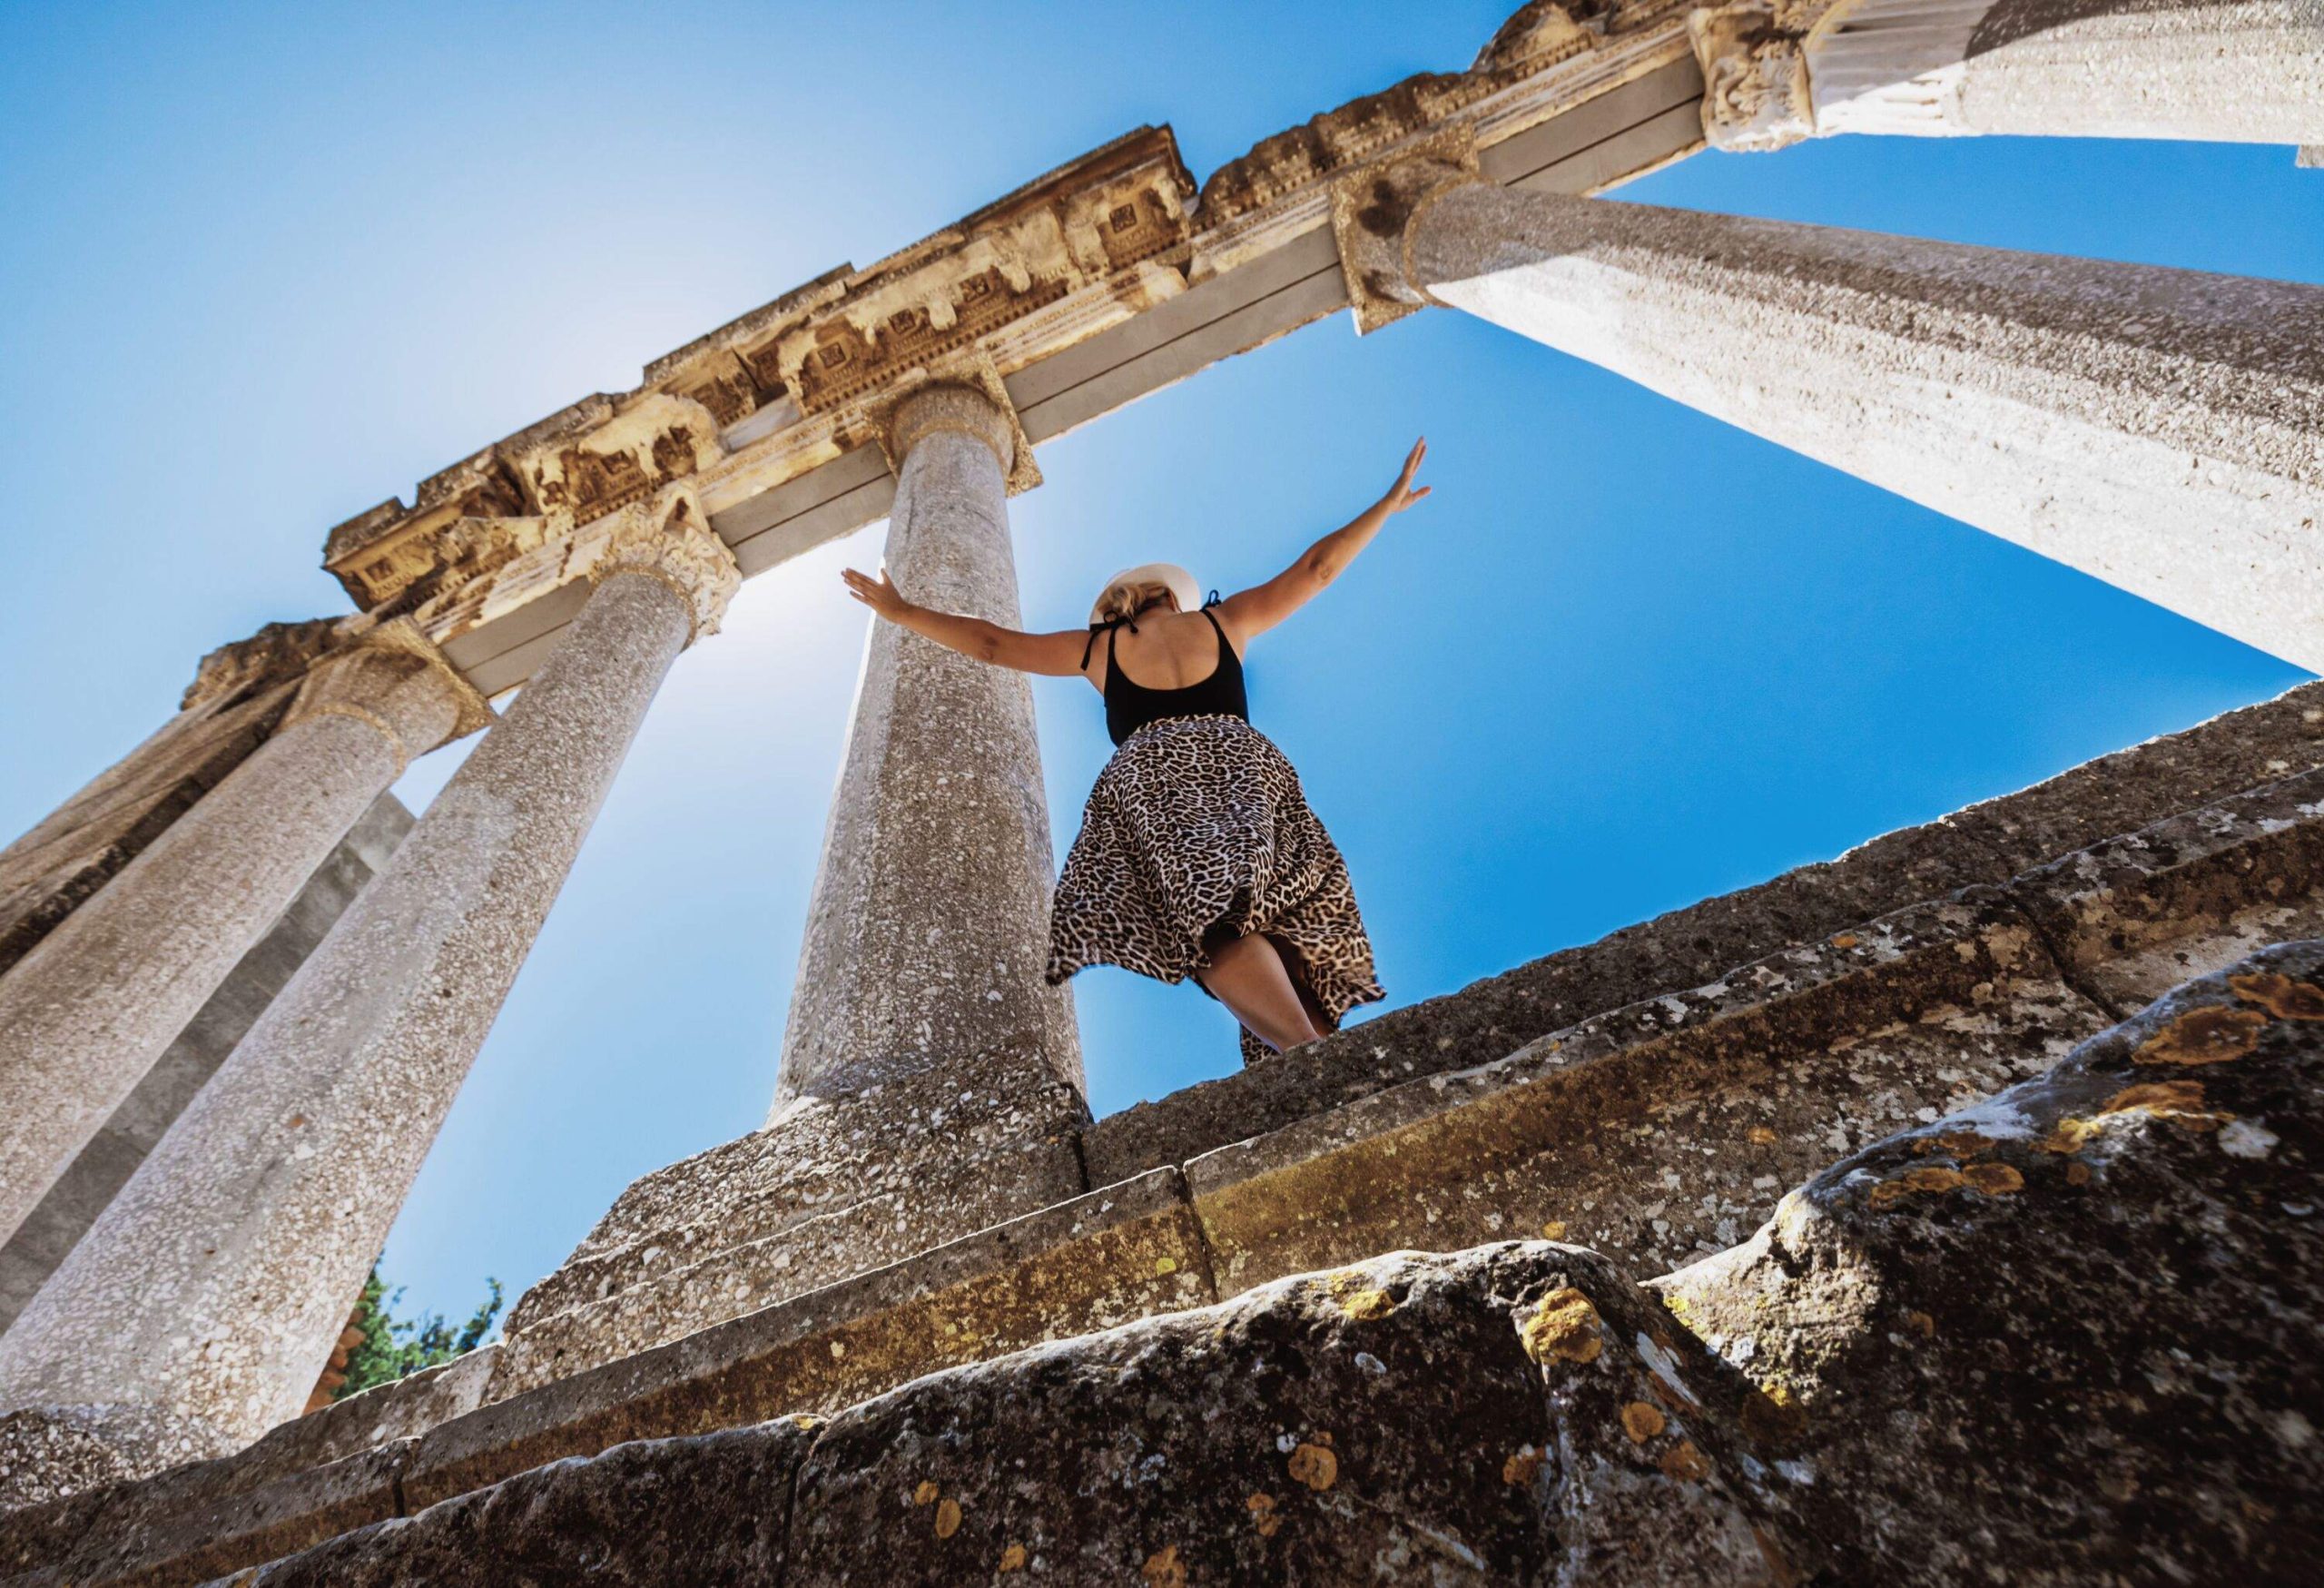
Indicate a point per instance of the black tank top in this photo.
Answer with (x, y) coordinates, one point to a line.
(1130, 705)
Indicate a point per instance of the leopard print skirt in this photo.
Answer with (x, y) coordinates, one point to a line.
(1198, 831)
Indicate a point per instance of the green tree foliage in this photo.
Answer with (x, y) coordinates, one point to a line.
(395, 1346)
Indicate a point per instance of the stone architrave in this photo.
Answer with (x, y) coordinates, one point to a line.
(210, 1292)
(84, 1015)
(2233, 70)
(2160, 429)
(929, 927)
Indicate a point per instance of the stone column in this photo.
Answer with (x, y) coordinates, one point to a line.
(84, 1015)
(205, 1300)
(2238, 71)
(2160, 429)
(928, 928)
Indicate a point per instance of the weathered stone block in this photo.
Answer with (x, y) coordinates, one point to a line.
(2142, 912)
(709, 1512)
(1102, 1260)
(2073, 1335)
(1662, 1129)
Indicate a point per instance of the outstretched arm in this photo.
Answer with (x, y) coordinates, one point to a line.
(1259, 608)
(1057, 655)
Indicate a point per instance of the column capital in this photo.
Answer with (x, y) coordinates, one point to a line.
(278, 652)
(393, 677)
(668, 537)
(970, 400)
(1755, 95)
(1375, 211)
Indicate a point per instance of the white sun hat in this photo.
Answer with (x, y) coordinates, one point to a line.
(1168, 575)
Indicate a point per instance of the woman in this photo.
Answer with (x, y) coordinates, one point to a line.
(1198, 855)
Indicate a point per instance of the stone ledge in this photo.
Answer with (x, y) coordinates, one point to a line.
(1989, 843)
(1095, 1261)
(1666, 1128)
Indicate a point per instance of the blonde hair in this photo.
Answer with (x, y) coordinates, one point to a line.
(1130, 599)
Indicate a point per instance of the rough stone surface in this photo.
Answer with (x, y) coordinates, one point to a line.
(215, 1283)
(1988, 843)
(46, 874)
(2071, 1335)
(104, 1166)
(86, 1014)
(1521, 1412)
(1666, 1129)
(2160, 429)
(1103, 1260)
(709, 1512)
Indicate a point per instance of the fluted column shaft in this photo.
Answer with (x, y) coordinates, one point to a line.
(213, 1286)
(84, 1015)
(928, 928)
(2160, 429)
(2235, 71)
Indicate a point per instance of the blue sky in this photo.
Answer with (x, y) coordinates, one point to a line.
(266, 266)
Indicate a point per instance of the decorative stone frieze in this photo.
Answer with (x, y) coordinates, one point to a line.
(668, 539)
(1754, 78)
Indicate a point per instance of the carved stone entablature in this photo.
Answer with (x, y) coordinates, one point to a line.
(1755, 93)
(1538, 35)
(1109, 211)
(669, 539)
(651, 443)
(432, 551)
(276, 654)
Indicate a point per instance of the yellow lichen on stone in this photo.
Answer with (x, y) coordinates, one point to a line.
(2213, 1035)
(1264, 1515)
(1762, 1136)
(1993, 1179)
(1553, 1230)
(1954, 1143)
(926, 1493)
(2179, 1101)
(1365, 1305)
(1316, 1467)
(1012, 1559)
(1563, 1329)
(1846, 939)
(1163, 1569)
(948, 1518)
(1642, 1421)
(1930, 1178)
(1521, 1466)
(2280, 995)
(2077, 1174)
(805, 1422)
(2069, 1135)
(1165, 1265)
(1684, 1462)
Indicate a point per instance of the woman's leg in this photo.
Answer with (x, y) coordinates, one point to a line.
(1247, 975)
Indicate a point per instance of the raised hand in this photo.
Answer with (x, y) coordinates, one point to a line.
(881, 595)
(1402, 495)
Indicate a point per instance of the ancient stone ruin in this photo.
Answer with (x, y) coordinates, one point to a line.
(1945, 1213)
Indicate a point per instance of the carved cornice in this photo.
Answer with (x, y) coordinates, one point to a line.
(668, 539)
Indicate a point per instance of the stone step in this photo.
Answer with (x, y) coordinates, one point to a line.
(1958, 1352)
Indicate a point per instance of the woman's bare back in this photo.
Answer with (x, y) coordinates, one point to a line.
(1169, 650)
